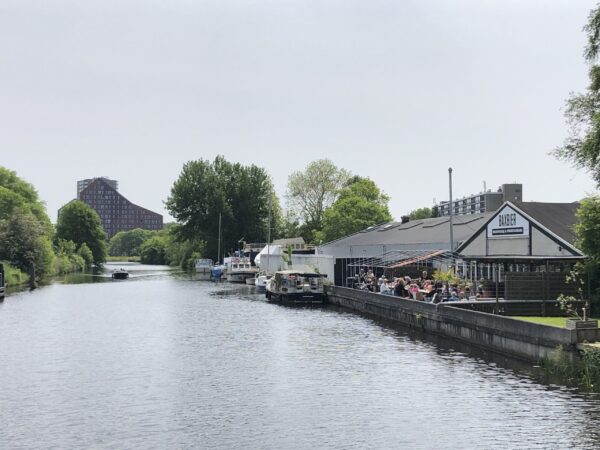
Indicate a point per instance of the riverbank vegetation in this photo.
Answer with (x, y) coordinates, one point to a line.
(29, 244)
(582, 371)
(208, 200)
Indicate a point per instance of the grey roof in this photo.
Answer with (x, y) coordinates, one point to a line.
(559, 218)
(424, 231)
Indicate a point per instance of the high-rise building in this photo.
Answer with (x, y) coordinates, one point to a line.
(82, 184)
(115, 211)
(485, 201)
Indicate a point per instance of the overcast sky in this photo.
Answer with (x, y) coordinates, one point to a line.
(394, 90)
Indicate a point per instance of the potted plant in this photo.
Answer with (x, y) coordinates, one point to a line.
(575, 321)
(486, 287)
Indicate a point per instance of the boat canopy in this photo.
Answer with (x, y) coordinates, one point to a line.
(270, 249)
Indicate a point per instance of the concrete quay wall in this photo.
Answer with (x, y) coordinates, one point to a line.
(517, 338)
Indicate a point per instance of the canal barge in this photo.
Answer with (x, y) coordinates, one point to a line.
(294, 287)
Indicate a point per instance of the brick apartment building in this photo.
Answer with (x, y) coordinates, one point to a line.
(115, 211)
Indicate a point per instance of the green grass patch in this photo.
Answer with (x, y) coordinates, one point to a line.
(122, 259)
(560, 322)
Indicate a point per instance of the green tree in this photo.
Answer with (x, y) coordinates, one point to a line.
(421, 213)
(587, 228)
(582, 112)
(153, 251)
(312, 191)
(87, 255)
(23, 242)
(128, 243)
(360, 205)
(17, 194)
(79, 223)
(240, 194)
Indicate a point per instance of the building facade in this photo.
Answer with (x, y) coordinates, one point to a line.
(115, 211)
(82, 184)
(483, 202)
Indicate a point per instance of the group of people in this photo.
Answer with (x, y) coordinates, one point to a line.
(423, 288)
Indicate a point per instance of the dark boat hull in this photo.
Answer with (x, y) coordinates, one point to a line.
(120, 276)
(297, 298)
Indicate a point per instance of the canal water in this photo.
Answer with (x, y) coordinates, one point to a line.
(162, 361)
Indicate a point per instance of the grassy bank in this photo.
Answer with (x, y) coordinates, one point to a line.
(122, 259)
(560, 322)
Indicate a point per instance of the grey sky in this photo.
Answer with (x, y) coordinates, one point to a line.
(394, 90)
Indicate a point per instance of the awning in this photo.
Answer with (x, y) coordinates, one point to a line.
(400, 258)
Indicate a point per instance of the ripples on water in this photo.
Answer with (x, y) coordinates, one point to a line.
(160, 361)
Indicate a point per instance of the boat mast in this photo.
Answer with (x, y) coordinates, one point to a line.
(269, 228)
(219, 244)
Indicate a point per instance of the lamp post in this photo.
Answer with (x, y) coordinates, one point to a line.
(451, 212)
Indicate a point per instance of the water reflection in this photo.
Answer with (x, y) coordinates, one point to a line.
(165, 361)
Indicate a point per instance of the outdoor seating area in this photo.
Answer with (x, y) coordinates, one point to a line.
(420, 275)
(423, 288)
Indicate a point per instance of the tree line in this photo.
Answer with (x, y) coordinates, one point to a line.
(239, 203)
(32, 247)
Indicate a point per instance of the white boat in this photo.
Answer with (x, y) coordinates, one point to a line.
(203, 268)
(238, 269)
(261, 282)
(296, 287)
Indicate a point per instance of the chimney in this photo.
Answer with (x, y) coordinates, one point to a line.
(404, 219)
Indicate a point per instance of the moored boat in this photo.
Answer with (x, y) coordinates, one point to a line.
(204, 268)
(216, 272)
(296, 287)
(1, 282)
(239, 269)
(261, 282)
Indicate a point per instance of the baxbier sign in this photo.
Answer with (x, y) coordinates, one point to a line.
(508, 223)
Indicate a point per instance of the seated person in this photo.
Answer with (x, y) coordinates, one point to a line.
(453, 296)
(399, 290)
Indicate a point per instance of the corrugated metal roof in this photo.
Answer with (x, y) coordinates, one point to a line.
(421, 231)
(559, 218)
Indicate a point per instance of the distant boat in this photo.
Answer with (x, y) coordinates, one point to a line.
(238, 269)
(120, 274)
(296, 287)
(216, 272)
(204, 268)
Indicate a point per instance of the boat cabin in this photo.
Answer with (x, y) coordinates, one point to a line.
(292, 286)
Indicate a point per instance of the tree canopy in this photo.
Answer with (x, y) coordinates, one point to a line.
(421, 213)
(311, 191)
(359, 205)
(239, 193)
(79, 223)
(24, 242)
(582, 112)
(25, 228)
(587, 228)
(129, 243)
(17, 194)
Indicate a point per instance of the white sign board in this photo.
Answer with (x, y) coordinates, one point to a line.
(508, 223)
